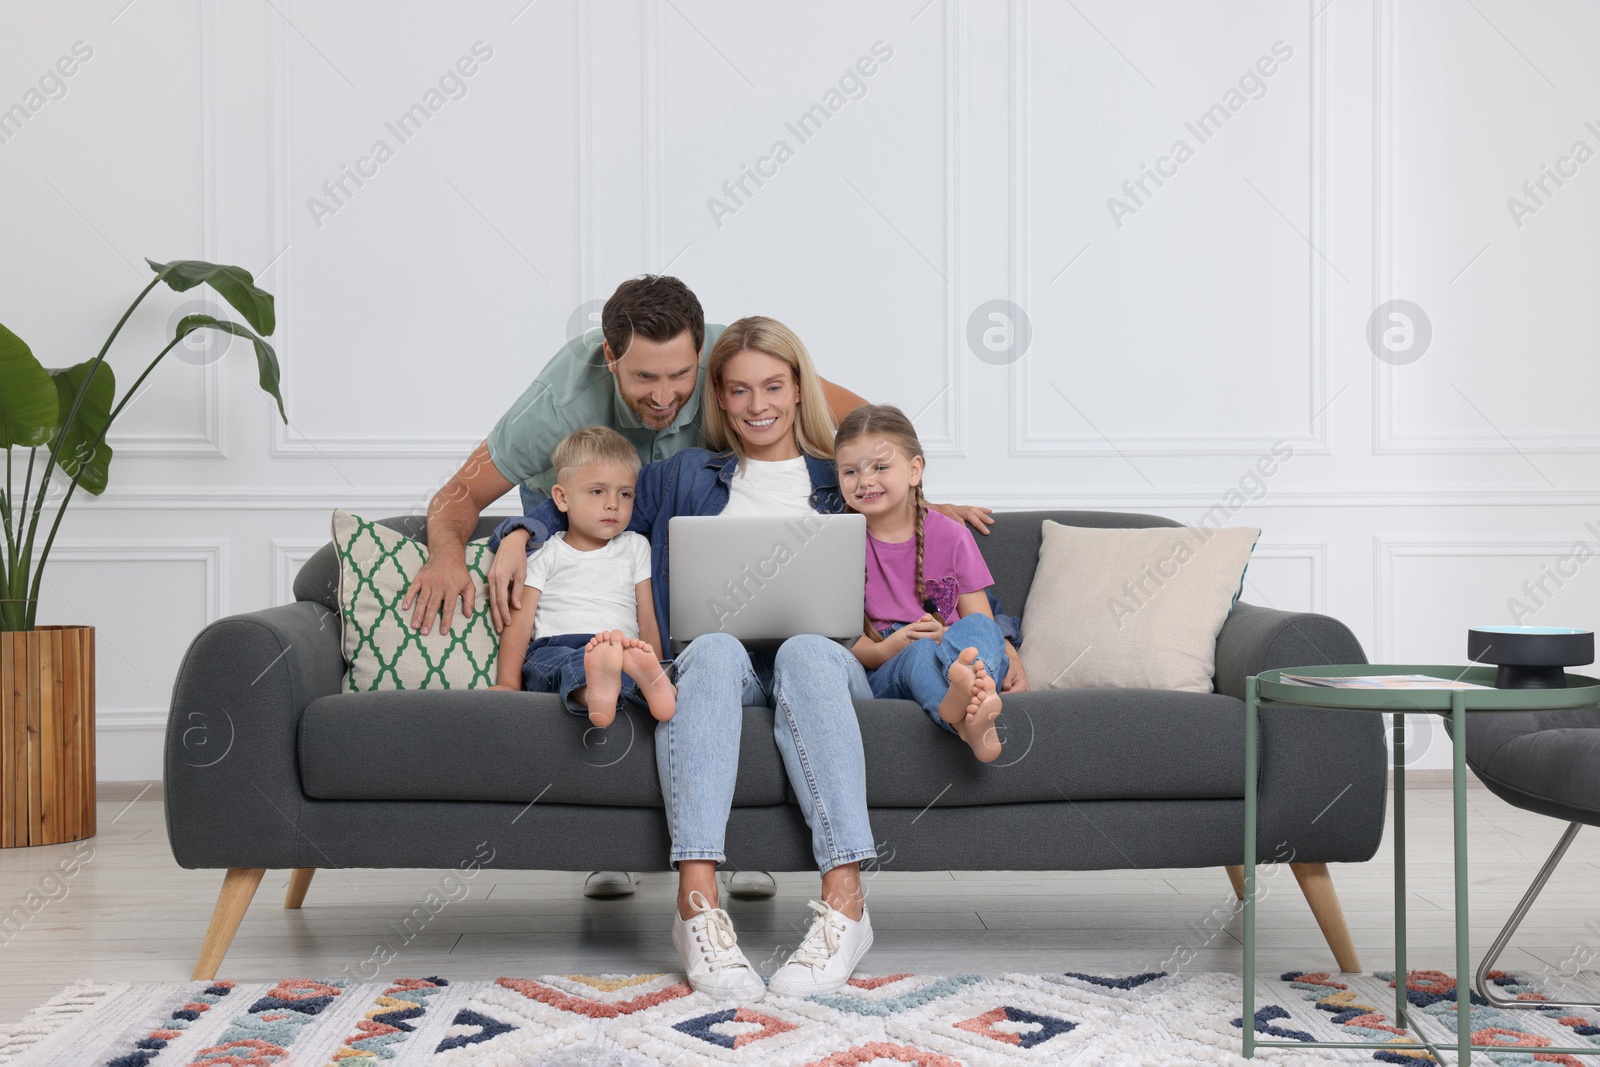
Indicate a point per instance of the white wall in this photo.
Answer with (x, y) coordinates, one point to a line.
(1227, 312)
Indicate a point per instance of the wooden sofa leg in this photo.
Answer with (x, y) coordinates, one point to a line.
(299, 882)
(1236, 876)
(238, 886)
(1317, 885)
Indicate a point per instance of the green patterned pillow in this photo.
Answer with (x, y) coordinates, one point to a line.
(381, 650)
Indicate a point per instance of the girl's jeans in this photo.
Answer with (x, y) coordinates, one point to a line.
(921, 671)
(810, 683)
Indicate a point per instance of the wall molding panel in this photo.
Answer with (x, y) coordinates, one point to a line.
(211, 554)
(210, 441)
(288, 555)
(1028, 440)
(1389, 556)
(1317, 553)
(1388, 438)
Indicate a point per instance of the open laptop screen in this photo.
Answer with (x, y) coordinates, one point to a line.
(765, 579)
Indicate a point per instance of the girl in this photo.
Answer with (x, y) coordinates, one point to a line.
(929, 635)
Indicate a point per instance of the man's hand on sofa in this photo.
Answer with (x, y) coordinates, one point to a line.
(979, 519)
(435, 588)
(507, 574)
(1016, 678)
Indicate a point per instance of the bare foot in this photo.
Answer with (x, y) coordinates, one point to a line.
(977, 727)
(963, 676)
(639, 660)
(602, 662)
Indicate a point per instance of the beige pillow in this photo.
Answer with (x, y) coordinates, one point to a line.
(1131, 609)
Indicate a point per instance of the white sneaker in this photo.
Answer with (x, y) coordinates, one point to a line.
(827, 957)
(710, 953)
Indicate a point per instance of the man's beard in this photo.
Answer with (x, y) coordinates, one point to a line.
(656, 420)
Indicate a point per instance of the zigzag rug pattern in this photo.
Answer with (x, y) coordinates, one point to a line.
(644, 1020)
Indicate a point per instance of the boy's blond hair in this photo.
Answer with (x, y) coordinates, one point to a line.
(592, 444)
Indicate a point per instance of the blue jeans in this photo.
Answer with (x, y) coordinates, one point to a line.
(555, 665)
(920, 671)
(810, 683)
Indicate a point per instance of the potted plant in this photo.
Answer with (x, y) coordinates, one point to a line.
(47, 672)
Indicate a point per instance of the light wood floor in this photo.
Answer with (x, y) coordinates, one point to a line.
(132, 914)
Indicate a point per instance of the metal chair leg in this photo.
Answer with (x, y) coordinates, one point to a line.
(1482, 981)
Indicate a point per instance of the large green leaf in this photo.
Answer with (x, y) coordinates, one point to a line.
(89, 426)
(234, 284)
(266, 359)
(28, 411)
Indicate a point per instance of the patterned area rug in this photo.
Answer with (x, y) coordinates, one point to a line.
(650, 1019)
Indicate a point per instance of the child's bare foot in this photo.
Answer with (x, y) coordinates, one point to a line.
(963, 676)
(602, 662)
(639, 660)
(977, 728)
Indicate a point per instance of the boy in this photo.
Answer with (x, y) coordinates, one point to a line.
(589, 609)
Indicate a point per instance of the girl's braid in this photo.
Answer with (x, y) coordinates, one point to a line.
(921, 508)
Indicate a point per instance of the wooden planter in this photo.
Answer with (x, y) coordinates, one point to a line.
(46, 735)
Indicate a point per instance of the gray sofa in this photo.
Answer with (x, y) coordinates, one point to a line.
(270, 765)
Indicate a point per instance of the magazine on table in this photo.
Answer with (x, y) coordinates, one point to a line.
(1380, 681)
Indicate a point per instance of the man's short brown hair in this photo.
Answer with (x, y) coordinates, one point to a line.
(655, 306)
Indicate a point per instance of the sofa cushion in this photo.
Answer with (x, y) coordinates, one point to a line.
(1132, 608)
(1077, 744)
(318, 577)
(451, 744)
(1072, 744)
(381, 650)
(1011, 547)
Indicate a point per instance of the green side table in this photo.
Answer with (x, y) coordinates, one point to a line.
(1267, 690)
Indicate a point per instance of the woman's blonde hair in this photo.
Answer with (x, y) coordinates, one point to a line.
(886, 420)
(813, 422)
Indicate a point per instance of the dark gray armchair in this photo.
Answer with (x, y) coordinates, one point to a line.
(1546, 762)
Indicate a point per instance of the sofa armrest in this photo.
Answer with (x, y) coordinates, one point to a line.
(232, 777)
(1256, 639)
(1323, 772)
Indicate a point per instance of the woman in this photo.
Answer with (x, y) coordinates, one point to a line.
(773, 455)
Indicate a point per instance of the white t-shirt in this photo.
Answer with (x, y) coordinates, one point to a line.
(588, 592)
(770, 487)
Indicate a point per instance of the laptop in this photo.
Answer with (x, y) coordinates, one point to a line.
(765, 579)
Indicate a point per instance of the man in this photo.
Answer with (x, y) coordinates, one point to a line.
(645, 378)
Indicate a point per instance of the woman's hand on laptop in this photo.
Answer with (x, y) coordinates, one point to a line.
(506, 576)
(979, 519)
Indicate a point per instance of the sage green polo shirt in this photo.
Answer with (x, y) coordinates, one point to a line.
(575, 390)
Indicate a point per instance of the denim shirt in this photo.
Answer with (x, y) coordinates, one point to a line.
(692, 482)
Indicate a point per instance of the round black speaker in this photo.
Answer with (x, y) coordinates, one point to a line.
(1530, 657)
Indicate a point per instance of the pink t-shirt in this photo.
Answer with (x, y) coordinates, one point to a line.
(951, 565)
